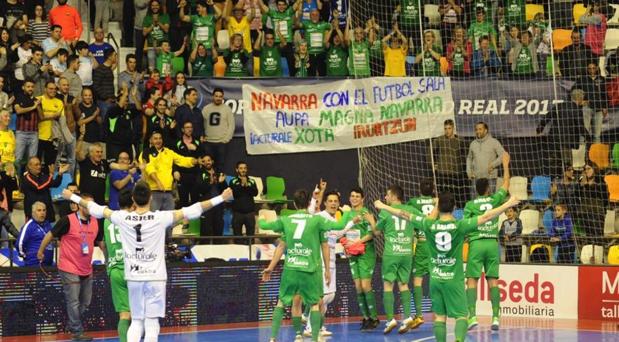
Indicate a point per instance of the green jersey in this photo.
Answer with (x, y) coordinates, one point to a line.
(157, 35)
(282, 20)
(524, 64)
(478, 30)
(359, 58)
(236, 63)
(478, 206)
(337, 60)
(458, 59)
(203, 30)
(315, 36)
(445, 240)
(359, 230)
(429, 65)
(410, 12)
(397, 231)
(422, 206)
(270, 62)
(202, 66)
(164, 63)
(114, 247)
(515, 12)
(302, 65)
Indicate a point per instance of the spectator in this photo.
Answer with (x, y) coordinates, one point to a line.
(593, 200)
(158, 162)
(163, 122)
(359, 51)
(122, 180)
(301, 59)
(6, 68)
(122, 125)
(561, 232)
(202, 60)
(165, 57)
(71, 116)
(8, 183)
(103, 82)
(485, 60)
(511, 39)
(77, 233)
(87, 63)
(542, 35)
(131, 78)
(269, 53)
(36, 71)
(26, 136)
(459, 54)
(596, 96)
(304, 9)
(482, 28)
(408, 14)
(155, 29)
(209, 181)
(523, 56)
(253, 9)
(189, 112)
(141, 8)
(31, 236)
(428, 59)
(65, 207)
(243, 208)
(50, 111)
(75, 82)
(155, 81)
(36, 184)
(54, 43)
(238, 22)
(12, 12)
(395, 47)
(448, 154)
(337, 51)
(236, 58)
(612, 63)
(24, 54)
(451, 19)
(186, 178)
(219, 125)
(203, 23)
(102, 16)
(484, 158)
(595, 32)
(94, 171)
(574, 58)
(564, 188)
(178, 90)
(514, 12)
(69, 19)
(98, 47)
(89, 117)
(283, 18)
(38, 26)
(510, 236)
(315, 32)
(6, 102)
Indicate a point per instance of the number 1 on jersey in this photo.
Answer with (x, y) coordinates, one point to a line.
(138, 232)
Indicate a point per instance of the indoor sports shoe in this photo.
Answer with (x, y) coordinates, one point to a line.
(405, 327)
(80, 337)
(299, 338)
(364, 324)
(390, 325)
(307, 332)
(374, 323)
(417, 321)
(495, 324)
(473, 322)
(303, 318)
(272, 340)
(325, 332)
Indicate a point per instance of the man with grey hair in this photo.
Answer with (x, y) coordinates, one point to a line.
(484, 157)
(31, 236)
(94, 171)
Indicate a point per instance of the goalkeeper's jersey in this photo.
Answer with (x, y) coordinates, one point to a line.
(423, 206)
(397, 231)
(359, 230)
(478, 206)
(114, 247)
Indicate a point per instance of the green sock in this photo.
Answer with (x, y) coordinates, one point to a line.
(388, 304)
(123, 326)
(440, 331)
(405, 296)
(278, 314)
(495, 299)
(298, 326)
(461, 328)
(315, 323)
(370, 300)
(307, 311)
(471, 297)
(362, 307)
(418, 296)
(322, 321)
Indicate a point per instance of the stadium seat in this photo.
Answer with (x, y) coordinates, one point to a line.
(66, 179)
(194, 227)
(531, 10)
(561, 38)
(578, 157)
(465, 252)
(540, 253)
(260, 187)
(431, 12)
(578, 11)
(178, 65)
(599, 155)
(547, 219)
(223, 39)
(229, 252)
(219, 69)
(615, 156)
(276, 187)
(613, 255)
(592, 254)
(540, 188)
(530, 221)
(609, 222)
(612, 182)
(518, 187)
(611, 41)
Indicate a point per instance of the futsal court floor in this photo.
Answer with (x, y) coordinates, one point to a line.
(512, 329)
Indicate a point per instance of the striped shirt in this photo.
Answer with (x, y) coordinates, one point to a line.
(26, 122)
(39, 31)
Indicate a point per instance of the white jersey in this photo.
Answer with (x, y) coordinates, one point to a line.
(332, 237)
(143, 240)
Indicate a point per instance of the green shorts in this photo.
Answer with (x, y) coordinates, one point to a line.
(448, 298)
(362, 266)
(483, 254)
(308, 285)
(397, 268)
(421, 263)
(120, 294)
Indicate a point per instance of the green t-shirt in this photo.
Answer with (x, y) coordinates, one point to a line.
(282, 20)
(478, 206)
(524, 64)
(429, 65)
(337, 61)
(202, 66)
(458, 59)
(301, 64)
(203, 30)
(315, 36)
(157, 35)
(376, 49)
(164, 63)
(236, 63)
(478, 30)
(114, 247)
(397, 231)
(410, 12)
(515, 12)
(359, 58)
(270, 62)
(445, 240)
(359, 230)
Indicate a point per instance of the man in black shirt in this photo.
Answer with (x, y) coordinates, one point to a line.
(210, 182)
(89, 115)
(93, 172)
(103, 82)
(36, 183)
(594, 87)
(187, 146)
(574, 58)
(190, 112)
(243, 208)
(163, 123)
(26, 127)
(122, 126)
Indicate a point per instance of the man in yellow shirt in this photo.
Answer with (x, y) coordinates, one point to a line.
(50, 110)
(7, 141)
(157, 162)
(238, 22)
(395, 55)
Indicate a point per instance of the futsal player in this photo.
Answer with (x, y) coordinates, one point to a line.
(445, 237)
(142, 233)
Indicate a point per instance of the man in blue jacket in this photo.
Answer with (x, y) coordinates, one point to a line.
(31, 236)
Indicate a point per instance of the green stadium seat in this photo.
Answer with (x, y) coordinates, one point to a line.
(615, 156)
(276, 186)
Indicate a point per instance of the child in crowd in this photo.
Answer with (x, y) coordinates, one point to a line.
(561, 232)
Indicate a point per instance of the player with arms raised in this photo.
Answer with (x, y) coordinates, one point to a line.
(445, 237)
(142, 233)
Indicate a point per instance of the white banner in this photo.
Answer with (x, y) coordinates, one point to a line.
(345, 114)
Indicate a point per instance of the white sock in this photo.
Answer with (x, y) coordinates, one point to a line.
(134, 334)
(151, 325)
